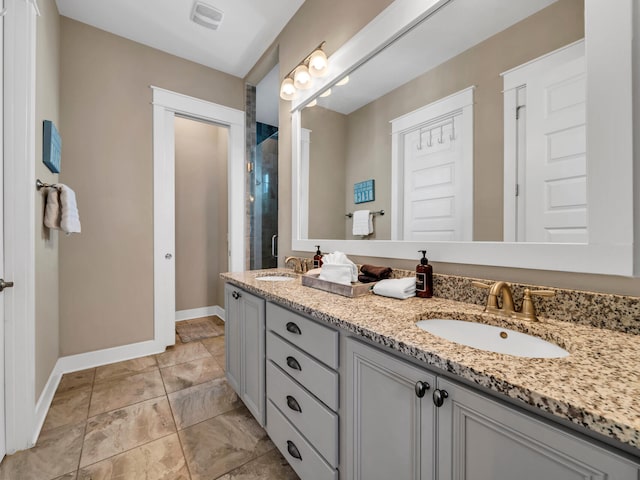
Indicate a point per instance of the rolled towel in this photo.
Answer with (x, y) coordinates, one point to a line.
(378, 273)
(401, 288)
(52, 212)
(367, 279)
(362, 222)
(70, 220)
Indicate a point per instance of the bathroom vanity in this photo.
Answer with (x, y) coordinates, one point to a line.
(352, 388)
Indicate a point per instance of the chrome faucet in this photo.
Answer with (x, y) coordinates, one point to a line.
(528, 311)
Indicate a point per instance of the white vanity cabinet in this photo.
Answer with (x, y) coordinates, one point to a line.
(244, 330)
(303, 392)
(390, 417)
(452, 432)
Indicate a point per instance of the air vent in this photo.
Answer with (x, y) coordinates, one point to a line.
(206, 15)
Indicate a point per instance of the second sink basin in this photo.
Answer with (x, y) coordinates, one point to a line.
(492, 339)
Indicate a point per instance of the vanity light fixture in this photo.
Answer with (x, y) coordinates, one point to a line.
(344, 81)
(314, 65)
(326, 93)
(312, 103)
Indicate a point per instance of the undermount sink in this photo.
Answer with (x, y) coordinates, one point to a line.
(275, 278)
(492, 339)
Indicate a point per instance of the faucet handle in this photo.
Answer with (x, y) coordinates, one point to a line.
(541, 293)
(528, 311)
(481, 285)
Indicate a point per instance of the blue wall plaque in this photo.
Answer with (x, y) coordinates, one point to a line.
(51, 146)
(364, 191)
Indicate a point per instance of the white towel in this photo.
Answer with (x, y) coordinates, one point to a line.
(52, 212)
(70, 220)
(396, 288)
(362, 222)
(339, 269)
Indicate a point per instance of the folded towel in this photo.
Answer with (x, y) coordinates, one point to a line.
(367, 279)
(396, 288)
(52, 212)
(70, 219)
(362, 222)
(339, 258)
(379, 273)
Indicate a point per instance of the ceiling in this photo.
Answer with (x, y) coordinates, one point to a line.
(247, 29)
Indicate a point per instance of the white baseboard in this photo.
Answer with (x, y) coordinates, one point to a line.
(199, 313)
(44, 402)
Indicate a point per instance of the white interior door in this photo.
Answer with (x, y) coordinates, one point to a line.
(555, 194)
(433, 190)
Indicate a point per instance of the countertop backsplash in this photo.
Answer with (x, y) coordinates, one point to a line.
(614, 312)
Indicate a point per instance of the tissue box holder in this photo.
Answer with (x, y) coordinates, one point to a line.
(354, 290)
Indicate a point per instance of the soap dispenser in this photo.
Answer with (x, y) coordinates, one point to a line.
(424, 277)
(317, 258)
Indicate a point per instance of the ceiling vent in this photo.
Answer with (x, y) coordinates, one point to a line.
(206, 15)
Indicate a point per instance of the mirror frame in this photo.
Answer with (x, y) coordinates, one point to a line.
(610, 59)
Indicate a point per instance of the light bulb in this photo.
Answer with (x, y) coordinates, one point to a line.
(318, 64)
(326, 93)
(302, 78)
(287, 89)
(312, 103)
(344, 81)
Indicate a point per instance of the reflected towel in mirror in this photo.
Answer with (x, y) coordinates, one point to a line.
(362, 222)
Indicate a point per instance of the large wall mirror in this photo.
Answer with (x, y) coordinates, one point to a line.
(480, 125)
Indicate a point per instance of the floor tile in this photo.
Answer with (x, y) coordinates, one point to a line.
(198, 403)
(269, 466)
(218, 321)
(161, 459)
(68, 476)
(128, 367)
(73, 380)
(190, 373)
(122, 391)
(215, 345)
(56, 453)
(114, 432)
(184, 352)
(219, 445)
(197, 329)
(68, 407)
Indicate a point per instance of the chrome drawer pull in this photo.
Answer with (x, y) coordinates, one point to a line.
(293, 404)
(293, 363)
(293, 328)
(293, 450)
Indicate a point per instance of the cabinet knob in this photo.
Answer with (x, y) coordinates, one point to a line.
(293, 328)
(439, 396)
(293, 450)
(236, 295)
(421, 388)
(293, 404)
(293, 363)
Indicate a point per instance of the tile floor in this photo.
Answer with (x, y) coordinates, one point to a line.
(170, 416)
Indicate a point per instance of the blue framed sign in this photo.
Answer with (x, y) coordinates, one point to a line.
(51, 146)
(364, 191)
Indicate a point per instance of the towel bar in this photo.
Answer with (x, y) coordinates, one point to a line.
(40, 184)
(379, 212)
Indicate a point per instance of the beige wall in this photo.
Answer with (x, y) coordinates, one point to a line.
(201, 213)
(46, 247)
(106, 273)
(314, 23)
(327, 142)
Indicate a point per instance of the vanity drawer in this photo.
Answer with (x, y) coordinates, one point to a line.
(315, 339)
(315, 421)
(304, 459)
(311, 374)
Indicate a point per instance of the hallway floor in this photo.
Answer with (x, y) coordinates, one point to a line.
(170, 416)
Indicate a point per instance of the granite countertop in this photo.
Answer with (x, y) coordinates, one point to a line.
(597, 386)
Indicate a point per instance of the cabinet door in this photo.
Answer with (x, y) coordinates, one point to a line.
(252, 338)
(390, 429)
(232, 344)
(482, 439)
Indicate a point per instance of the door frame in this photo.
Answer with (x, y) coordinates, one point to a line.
(19, 221)
(166, 104)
